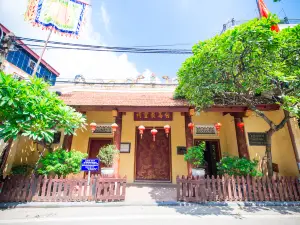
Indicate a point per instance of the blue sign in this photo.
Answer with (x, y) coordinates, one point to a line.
(90, 165)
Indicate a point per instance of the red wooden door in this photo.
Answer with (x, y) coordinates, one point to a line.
(95, 145)
(153, 157)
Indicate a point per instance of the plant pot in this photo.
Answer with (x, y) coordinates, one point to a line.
(107, 171)
(198, 172)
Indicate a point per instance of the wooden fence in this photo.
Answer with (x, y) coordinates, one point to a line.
(229, 188)
(43, 189)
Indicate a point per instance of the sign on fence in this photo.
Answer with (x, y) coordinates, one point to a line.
(90, 165)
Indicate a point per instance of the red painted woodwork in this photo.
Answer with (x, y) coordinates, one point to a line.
(241, 138)
(153, 157)
(54, 189)
(153, 116)
(94, 146)
(189, 138)
(231, 188)
(117, 142)
(67, 143)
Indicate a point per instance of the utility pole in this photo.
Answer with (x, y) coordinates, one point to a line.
(6, 42)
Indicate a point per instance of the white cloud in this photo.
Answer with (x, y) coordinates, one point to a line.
(105, 18)
(96, 65)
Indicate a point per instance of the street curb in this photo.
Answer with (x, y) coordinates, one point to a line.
(159, 203)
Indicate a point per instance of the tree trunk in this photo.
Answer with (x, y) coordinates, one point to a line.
(269, 153)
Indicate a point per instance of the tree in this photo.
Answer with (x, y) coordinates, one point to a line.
(247, 65)
(28, 108)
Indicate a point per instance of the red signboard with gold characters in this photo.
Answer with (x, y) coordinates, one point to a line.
(153, 116)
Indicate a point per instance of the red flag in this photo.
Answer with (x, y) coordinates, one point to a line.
(264, 12)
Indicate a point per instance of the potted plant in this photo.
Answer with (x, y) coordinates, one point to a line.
(107, 155)
(195, 156)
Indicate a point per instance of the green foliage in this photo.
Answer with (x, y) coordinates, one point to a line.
(247, 61)
(107, 154)
(195, 155)
(233, 165)
(61, 162)
(29, 109)
(21, 170)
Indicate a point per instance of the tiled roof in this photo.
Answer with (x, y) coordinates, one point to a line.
(121, 99)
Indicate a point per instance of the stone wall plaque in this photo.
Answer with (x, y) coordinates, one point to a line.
(103, 129)
(208, 129)
(257, 138)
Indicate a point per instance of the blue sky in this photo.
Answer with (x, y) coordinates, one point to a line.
(151, 22)
(137, 22)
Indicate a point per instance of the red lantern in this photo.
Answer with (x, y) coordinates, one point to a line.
(191, 126)
(218, 127)
(241, 126)
(93, 126)
(167, 129)
(141, 129)
(153, 132)
(114, 127)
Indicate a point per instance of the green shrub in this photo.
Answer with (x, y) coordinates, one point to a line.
(233, 165)
(195, 155)
(21, 170)
(107, 154)
(61, 162)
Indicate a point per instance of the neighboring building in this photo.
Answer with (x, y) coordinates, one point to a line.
(141, 158)
(21, 62)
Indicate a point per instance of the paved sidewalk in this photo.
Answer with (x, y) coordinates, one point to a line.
(150, 193)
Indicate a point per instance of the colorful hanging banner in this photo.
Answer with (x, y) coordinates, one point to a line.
(63, 16)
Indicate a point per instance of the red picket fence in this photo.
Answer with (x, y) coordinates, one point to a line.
(229, 188)
(43, 189)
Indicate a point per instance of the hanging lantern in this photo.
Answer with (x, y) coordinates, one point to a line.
(141, 129)
(218, 127)
(114, 127)
(241, 126)
(167, 129)
(153, 132)
(191, 126)
(93, 126)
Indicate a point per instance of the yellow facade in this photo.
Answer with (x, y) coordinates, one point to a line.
(282, 149)
(23, 151)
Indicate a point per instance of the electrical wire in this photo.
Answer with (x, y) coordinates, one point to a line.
(73, 46)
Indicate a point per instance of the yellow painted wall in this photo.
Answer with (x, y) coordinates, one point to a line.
(227, 134)
(24, 151)
(179, 166)
(81, 139)
(282, 149)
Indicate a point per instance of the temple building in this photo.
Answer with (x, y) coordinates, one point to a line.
(148, 155)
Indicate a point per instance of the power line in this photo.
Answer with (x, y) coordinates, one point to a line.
(73, 46)
(111, 50)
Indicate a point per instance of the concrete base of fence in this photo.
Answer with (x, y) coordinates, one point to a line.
(166, 203)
